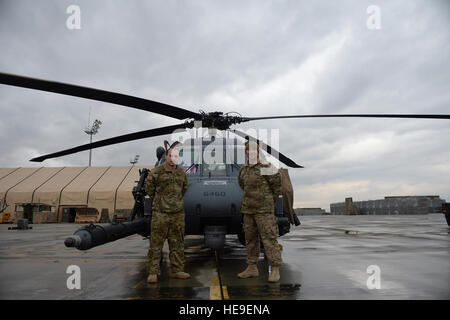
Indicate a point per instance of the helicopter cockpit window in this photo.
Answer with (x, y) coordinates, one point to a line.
(235, 155)
(214, 164)
(189, 161)
(215, 169)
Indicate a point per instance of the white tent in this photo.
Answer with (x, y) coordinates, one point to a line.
(70, 187)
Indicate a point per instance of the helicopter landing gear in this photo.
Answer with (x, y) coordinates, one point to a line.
(215, 237)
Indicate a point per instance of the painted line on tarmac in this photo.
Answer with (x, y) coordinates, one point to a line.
(371, 233)
(215, 292)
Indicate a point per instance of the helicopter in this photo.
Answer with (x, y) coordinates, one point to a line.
(212, 203)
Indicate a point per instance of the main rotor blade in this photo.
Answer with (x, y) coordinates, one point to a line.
(281, 157)
(416, 116)
(97, 94)
(119, 139)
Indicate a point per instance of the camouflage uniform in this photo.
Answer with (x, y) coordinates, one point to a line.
(260, 193)
(167, 189)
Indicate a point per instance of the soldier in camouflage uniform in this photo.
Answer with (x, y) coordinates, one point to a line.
(166, 185)
(261, 183)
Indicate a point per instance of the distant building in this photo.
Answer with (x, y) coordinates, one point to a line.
(310, 211)
(390, 205)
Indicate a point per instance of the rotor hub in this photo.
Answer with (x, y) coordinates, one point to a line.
(218, 120)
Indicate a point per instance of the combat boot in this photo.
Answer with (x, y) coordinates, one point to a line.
(152, 278)
(180, 275)
(275, 274)
(250, 272)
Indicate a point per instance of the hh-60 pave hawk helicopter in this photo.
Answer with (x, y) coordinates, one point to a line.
(212, 203)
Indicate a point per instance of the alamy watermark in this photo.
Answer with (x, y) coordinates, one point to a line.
(373, 21)
(73, 21)
(74, 280)
(224, 150)
(374, 280)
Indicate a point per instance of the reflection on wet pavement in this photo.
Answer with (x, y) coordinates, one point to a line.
(327, 257)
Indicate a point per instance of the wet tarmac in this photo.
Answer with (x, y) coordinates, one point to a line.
(327, 257)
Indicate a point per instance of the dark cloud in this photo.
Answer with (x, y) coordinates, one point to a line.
(254, 57)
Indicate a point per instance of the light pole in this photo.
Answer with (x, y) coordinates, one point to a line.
(91, 130)
(135, 160)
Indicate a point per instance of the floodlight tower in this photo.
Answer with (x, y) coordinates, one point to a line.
(91, 130)
(135, 160)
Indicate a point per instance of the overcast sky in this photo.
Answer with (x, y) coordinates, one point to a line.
(259, 58)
